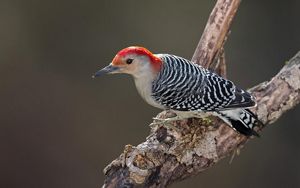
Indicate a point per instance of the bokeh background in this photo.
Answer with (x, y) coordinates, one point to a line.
(60, 128)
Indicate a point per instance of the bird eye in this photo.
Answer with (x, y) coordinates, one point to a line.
(129, 61)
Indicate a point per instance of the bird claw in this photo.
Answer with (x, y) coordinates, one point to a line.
(168, 120)
(165, 122)
(158, 119)
(153, 124)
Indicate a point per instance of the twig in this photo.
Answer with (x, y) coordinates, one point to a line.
(215, 32)
(220, 64)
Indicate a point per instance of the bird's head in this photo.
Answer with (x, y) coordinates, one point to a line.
(133, 60)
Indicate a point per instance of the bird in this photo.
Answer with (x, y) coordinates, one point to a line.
(170, 82)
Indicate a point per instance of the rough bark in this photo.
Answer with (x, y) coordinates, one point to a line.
(190, 146)
(215, 33)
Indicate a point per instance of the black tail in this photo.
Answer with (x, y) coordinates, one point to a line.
(241, 120)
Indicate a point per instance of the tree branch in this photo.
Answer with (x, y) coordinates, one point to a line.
(193, 145)
(215, 32)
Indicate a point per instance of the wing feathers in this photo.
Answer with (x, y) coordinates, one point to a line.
(243, 99)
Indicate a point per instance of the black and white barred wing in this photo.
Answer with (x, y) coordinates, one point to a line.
(177, 82)
(225, 95)
(184, 86)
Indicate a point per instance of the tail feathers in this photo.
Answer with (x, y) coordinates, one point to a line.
(241, 120)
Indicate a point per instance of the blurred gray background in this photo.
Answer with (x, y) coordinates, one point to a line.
(60, 128)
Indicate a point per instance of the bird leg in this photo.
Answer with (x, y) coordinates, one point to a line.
(168, 122)
(179, 116)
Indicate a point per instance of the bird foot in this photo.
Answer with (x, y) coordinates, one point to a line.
(166, 122)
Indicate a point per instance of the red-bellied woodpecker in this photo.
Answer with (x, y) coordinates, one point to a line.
(171, 82)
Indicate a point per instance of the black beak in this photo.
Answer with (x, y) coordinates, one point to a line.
(106, 70)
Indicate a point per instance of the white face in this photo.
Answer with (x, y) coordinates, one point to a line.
(133, 64)
(137, 61)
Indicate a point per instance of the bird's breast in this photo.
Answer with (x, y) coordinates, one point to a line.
(144, 87)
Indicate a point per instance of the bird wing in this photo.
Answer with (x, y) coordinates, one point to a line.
(185, 86)
(176, 82)
(243, 99)
(221, 94)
